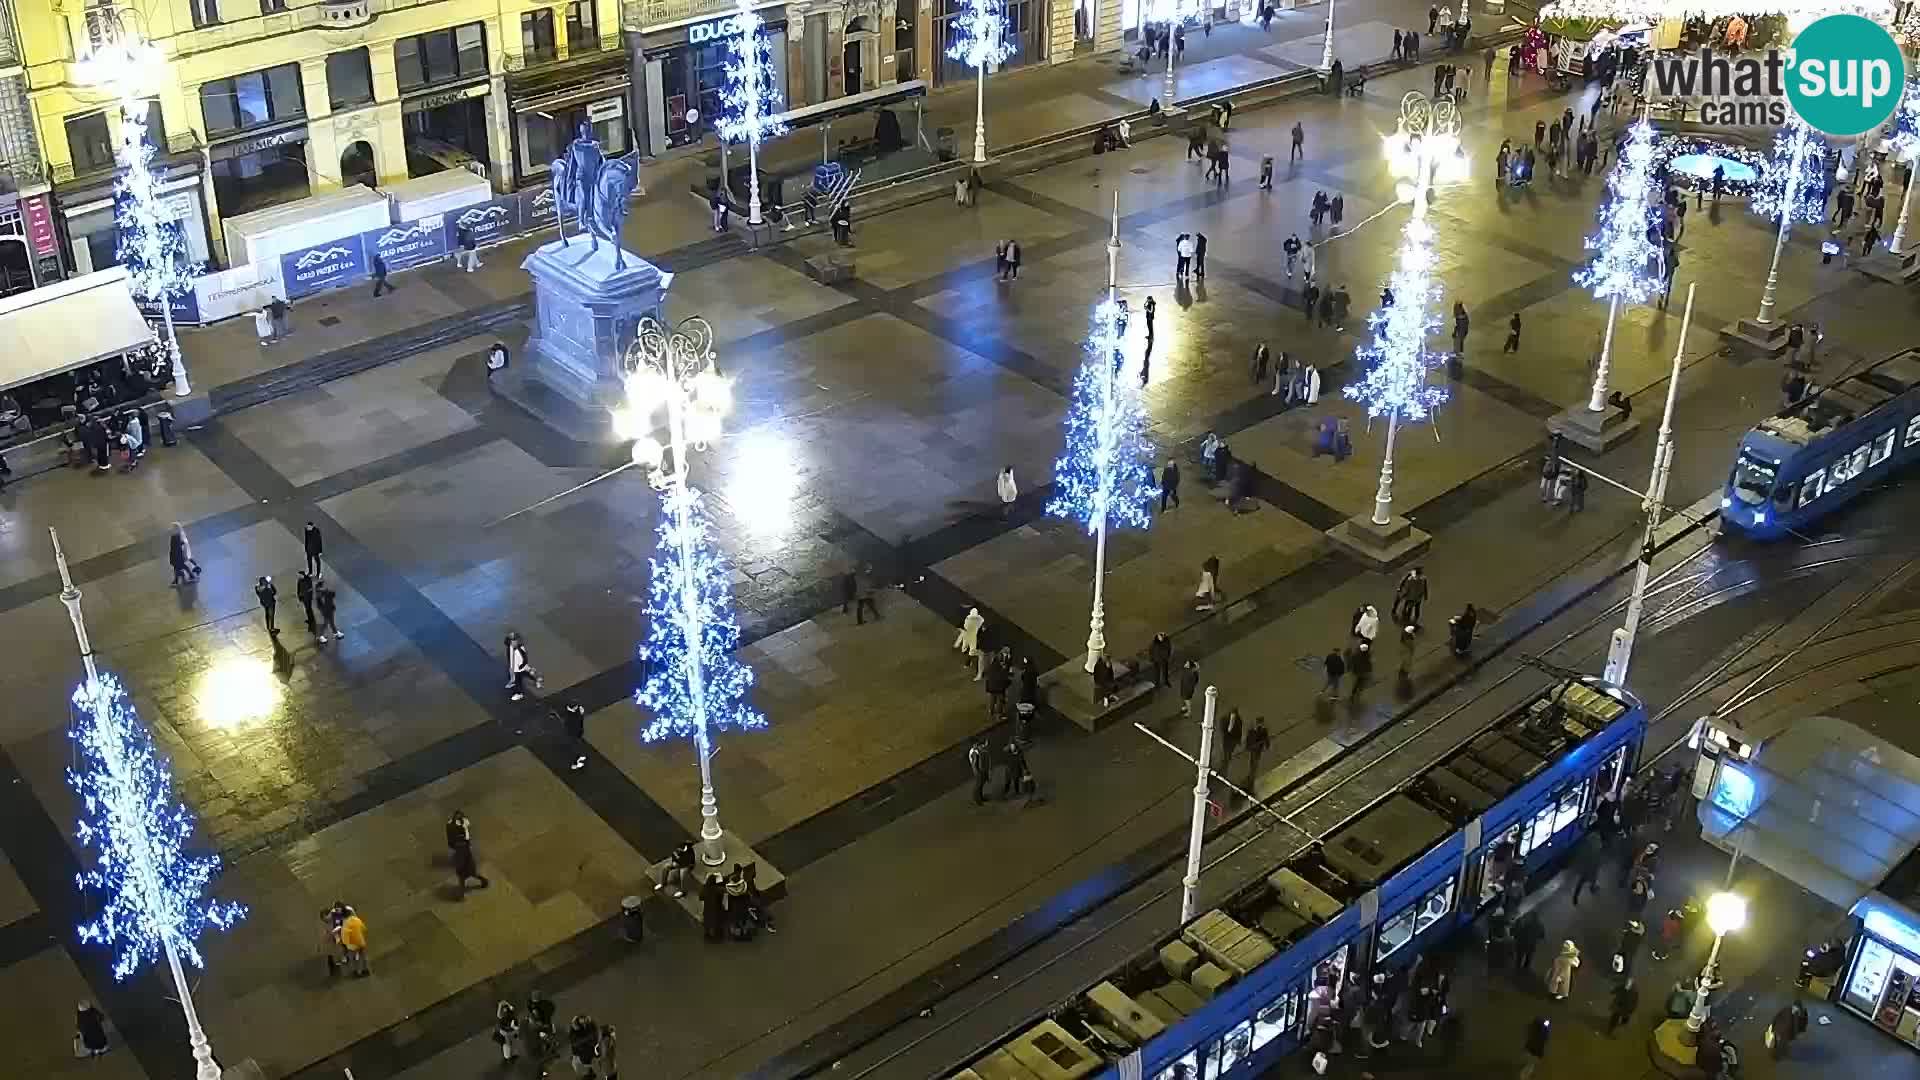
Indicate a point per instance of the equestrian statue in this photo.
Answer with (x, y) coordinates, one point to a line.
(595, 190)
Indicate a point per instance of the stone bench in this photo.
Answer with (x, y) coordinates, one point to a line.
(831, 268)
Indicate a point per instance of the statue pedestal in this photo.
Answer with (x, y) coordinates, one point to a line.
(585, 315)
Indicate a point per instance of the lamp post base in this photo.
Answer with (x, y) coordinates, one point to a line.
(1756, 338)
(1595, 431)
(1887, 266)
(767, 877)
(1381, 546)
(1675, 1044)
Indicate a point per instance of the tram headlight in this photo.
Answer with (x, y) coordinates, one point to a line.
(1726, 502)
(1759, 517)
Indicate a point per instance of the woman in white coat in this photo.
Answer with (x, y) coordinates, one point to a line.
(1560, 977)
(1306, 261)
(1313, 384)
(968, 639)
(1367, 626)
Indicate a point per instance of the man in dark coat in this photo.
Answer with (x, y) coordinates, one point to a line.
(310, 537)
(1169, 485)
(713, 908)
(1258, 741)
(327, 601)
(1016, 762)
(268, 596)
(1527, 935)
(1626, 1002)
(303, 588)
(1536, 1045)
(980, 761)
(1189, 682)
(1160, 651)
(998, 681)
(1587, 857)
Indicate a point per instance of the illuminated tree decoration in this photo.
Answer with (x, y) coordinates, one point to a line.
(153, 892)
(1105, 474)
(750, 100)
(979, 32)
(1653, 11)
(148, 242)
(690, 584)
(1794, 183)
(1625, 260)
(1904, 140)
(1397, 358)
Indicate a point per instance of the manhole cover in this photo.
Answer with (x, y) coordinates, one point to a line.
(1139, 171)
(328, 320)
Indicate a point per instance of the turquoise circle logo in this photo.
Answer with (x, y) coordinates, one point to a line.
(1846, 75)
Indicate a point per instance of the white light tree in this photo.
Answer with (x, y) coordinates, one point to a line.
(1626, 259)
(1104, 476)
(1792, 188)
(151, 891)
(1904, 143)
(750, 103)
(979, 32)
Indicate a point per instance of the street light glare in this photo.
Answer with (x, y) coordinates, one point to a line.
(1726, 912)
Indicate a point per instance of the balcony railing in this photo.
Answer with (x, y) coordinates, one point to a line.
(579, 48)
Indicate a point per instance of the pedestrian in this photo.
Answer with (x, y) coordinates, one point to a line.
(1008, 490)
(1189, 682)
(89, 1031)
(311, 541)
(506, 1031)
(863, 595)
(1870, 238)
(1409, 597)
(713, 909)
(303, 589)
(468, 254)
(1206, 595)
(1336, 666)
(717, 206)
(466, 867)
(968, 639)
(1459, 328)
(327, 602)
(1160, 652)
(1257, 369)
(1182, 256)
(999, 680)
(1625, 1002)
(1308, 261)
(180, 556)
(282, 317)
(521, 677)
(380, 275)
(1169, 485)
(1259, 740)
(1013, 260)
(1199, 247)
(1360, 663)
(1560, 975)
(1549, 473)
(610, 1047)
(1299, 149)
(1366, 624)
(843, 224)
(1399, 45)
(1577, 491)
(1586, 866)
(1628, 950)
(1787, 1025)
(1528, 933)
(353, 939)
(1015, 778)
(1230, 736)
(1639, 893)
(263, 327)
(1536, 1045)
(583, 1042)
(268, 596)
(1563, 486)
(1310, 299)
(1266, 172)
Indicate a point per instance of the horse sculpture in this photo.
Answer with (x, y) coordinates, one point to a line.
(595, 191)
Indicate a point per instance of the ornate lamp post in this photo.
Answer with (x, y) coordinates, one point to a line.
(1326, 49)
(980, 42)
(747, 105)
(694, 685)
(1789, 191)
(1726, 912)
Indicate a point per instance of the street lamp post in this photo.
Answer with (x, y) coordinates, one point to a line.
(748, 100)
(980, 41)
(1197, 834)
(1097, 619)
(676, 368)
(1789, 191)
(1726, 912)
(1769, 293)
(1326, 49)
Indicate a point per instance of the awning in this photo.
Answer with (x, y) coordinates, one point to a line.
(1824, 804)
(71, 324)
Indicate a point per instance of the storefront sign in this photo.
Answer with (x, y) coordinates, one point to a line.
(310, 270)
(186, 308)
(243, 147)
(491, 221)
(655, 14)
(717, 30)
(39, 220)
(403, 247)
(606, 109)
(446, 97)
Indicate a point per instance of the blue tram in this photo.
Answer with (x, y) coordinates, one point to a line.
(1228, 996)
(1818, 455)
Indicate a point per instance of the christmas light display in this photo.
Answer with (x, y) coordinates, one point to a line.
(979, 31)
(1903, 142)
(1687, 162)
(1792, 188)
(1104, 477)
(1627, 261)
(148, 241)
(1654, 11)
(749, 103)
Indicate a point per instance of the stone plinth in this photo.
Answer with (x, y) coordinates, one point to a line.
(1767, 339)
(772, 883)
(1596, 431)
(586, 312)
(1887, 266)
(1382, 546)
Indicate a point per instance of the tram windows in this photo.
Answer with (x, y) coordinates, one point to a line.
(1913, 432)
(1882, 449)
(1859, 463)
(1407, 925)
(1269, 1023)
(1494, 864)
(1753, 478)
(1813, 487)
(1571, 805)
(1187, 1068)
(1232, 1049)
(1838, 473)
(1539, 830)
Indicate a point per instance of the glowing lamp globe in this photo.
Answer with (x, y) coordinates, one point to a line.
(713, 392)
(1726, 912)
(648, 452)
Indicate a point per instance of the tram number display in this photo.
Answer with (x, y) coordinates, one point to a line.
(1848, 466)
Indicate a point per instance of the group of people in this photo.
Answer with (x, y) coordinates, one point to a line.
(1203, 145)
(592, 1047)
(1562, 483)
(317, 597)
(126, 432)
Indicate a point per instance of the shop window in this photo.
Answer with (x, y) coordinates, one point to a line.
(441, 56)
(205, 12)
(251, 100)
(89, 143)
(1396, 932)
(272, 7)
(583, 27)
(536, 35)
(349, 78)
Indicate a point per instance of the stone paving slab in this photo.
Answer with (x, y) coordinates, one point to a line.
(15, 902)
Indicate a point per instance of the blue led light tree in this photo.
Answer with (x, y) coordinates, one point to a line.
(694, 686)
(151, 891)
(1423, 152)
(1104, 476)
(750, 102)
(1625, 266)
(1793, 187)
(979, 32)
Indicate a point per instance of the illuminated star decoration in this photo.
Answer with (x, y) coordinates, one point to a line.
(1624, 258)
(690, 582)
(148, 242)
(1105, 474)
(153, 893)
(979, 31)
(1397, 358)
(750, 100)
(1793, 186)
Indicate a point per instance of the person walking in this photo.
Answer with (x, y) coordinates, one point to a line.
(1308, 260)
(1299, 149)
(506, 1031)
(1014, 780)
(1259, 741)
(466, 867)
(1231, 734)
(303, 589)
(610, 1050)
(520, 674)
(268, 597)
(1459, 329)
(327, 603)
(180, 556)
(1189, 683)
(1206, 595)
(1169, 485)
(1549, 473)
(1200, 239)
(968, 639)
(980, 763)
(1292, 249)
(1535, 1046)
(1409, 597)
(1336, 666)
(1266, 172)
(1009, 491)
(1577, 491)
(1513, 335)
(1628, 950)
(353, 939)
(1560, 975)
(1366, 624)
(1160, 652)
(1150, 308)
(89, 1031)
(311, 541)
(380, 275)
(1624, 1002)
(999, 680)
(1787, 1025)
(1587, 857)
(1528, 933)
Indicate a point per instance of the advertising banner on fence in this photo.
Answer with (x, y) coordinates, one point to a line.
(186, 308)
(415, 243)
(537, 209)
(325, 266)
(492, 222)
(226, 293)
